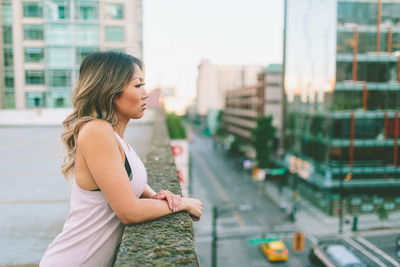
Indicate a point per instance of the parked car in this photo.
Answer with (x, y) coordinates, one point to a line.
(275, 251)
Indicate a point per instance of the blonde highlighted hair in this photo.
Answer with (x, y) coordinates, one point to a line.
(102, 77)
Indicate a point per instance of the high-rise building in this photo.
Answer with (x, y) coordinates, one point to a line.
(44, 42)
(244, 105)
(342, 84)
(214, 80)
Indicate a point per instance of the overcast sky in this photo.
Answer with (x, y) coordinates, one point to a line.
(179, 33)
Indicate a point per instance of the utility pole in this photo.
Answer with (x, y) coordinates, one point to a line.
(346, 178)
(214, 237)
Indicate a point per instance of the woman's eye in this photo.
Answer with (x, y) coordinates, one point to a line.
(139, 85)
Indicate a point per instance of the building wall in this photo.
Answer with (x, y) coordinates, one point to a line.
(214, 80)
(51, 38)
(273, 98)
(343, 93)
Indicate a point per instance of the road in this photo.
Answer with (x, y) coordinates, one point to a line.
(245, 213)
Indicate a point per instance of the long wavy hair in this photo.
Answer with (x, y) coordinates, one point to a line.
(102, 77)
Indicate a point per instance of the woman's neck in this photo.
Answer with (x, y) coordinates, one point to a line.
(120, 127)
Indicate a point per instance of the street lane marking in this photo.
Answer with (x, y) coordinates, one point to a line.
(383, 254)
(366, 253)
(221, 191)
(312, 238)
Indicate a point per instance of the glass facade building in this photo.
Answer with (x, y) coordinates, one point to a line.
(342, 86)
(45, 41)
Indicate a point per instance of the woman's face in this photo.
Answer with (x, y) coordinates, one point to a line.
(131, 103)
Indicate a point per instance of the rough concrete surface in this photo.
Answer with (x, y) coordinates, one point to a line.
(167, 241)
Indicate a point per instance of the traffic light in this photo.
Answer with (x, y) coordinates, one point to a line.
(298, 241)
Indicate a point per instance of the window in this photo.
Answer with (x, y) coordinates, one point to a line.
(6, 13)
(34, 77)
(87, 35)
(58, 57)
(59, 78)
(9, 78)
(8, 57)
(34, 99)
(33, 9)
(86, 9)
(395, 42)
(115, 33)
(59, 102)
(344, 71)
(366, 42)
(391, 14)
(7, 34)
(34, 54)
(360, 13)
(82, 52)
(58, 34)
(33, 32)
(376, 71)
(115, 11)
(347, 100)
(57, 9)
(9, 100)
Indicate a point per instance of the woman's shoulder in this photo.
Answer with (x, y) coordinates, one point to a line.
(95, 130)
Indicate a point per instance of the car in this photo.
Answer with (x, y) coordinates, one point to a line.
(275, 250)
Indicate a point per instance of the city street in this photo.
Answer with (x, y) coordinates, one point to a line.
(246, 213)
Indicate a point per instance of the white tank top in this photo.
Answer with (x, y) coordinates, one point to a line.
(92, 231)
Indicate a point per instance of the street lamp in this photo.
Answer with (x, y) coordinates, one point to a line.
(346, 178)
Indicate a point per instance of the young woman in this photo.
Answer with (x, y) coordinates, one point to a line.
(108, 180)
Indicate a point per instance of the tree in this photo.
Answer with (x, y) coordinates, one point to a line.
(262, 139)
(234, 148)
(382, 213)
(175, 126)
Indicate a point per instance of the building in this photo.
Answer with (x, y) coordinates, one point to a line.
(244, 105)
(214, 80)
(44, 42)
(342, 83)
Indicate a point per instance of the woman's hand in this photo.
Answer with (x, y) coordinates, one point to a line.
(193, 206)
(173, 200)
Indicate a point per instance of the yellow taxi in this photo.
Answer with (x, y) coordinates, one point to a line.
(275, 250)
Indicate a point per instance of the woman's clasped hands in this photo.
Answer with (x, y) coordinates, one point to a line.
(177, 203)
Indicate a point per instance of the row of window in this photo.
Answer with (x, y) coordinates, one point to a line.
(320, 127)
(375, 100)
(367, 13)
(55, 78)
(366, 42)
(367, 71)
(40, 99)
(339, 156)
(61, 10)
(55, 56)
(59, 34)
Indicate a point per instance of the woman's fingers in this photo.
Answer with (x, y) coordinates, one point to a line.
(174, 201)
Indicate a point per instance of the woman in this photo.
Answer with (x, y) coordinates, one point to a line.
(109, 187)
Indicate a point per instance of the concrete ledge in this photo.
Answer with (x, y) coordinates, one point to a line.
(167, 241)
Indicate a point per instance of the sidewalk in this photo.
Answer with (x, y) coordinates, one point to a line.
(311, 220)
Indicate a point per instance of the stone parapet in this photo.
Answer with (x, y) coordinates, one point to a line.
(167, 241)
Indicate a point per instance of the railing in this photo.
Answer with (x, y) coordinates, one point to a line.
(167, 241)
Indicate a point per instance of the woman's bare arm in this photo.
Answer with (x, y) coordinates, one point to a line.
(100, 150)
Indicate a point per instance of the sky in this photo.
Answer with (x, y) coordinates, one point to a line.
(179, 33)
